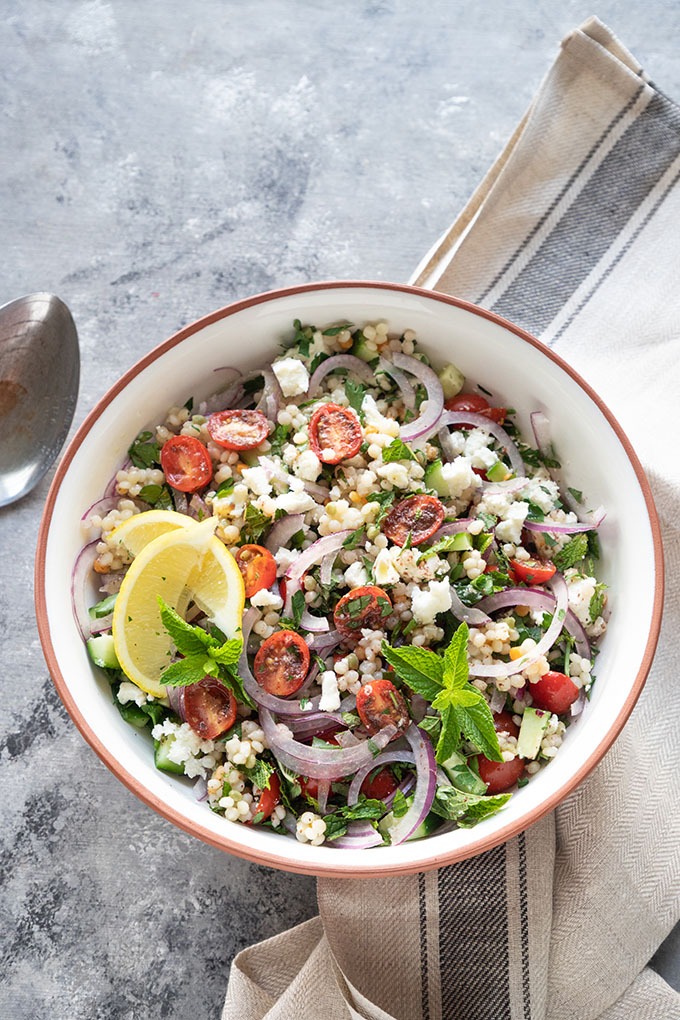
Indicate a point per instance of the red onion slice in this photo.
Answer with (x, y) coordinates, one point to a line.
(308, 558)
(272, 397)
(322, 643)
(408, 394)
(359, 836)
(82, 569)
(102, 507)
(344, 362)
(426, 785)
(480, 421)
(452, 528)
(314, 624)
(537, 598)
(323, 794)
(282, 531)
(327, 568)
(471, 615)
(320, 762)
(496, 669)
(386, 758)
(555, 528)
(428, 420)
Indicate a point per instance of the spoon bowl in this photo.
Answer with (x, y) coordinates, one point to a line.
(39, 375)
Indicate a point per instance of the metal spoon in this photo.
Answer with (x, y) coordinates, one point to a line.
(39, 375)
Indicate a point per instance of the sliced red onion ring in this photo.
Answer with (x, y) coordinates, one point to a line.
(200, 789)
(320, 762)
(426, 785)
(408, 393)
(344, 362)
(428, 421)
(323, 794)
(497, 700)
(495, 669)
(538, 598)
(181, 501)
(281, 706)
(480, 421)
(100, 625)
(322, 643)
(102, 507)
(308, 558)
(452, 528)
(579, 705)
(198, 508)
(314, 624)
(359, 836)
(80, 575)
(555, 528)
(471, 615)
(327, 568)
(272, 398)
(386, 758)
(540, 425)
(282, 531)
(318, 492)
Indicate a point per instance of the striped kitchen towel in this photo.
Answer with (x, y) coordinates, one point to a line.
(574, 234)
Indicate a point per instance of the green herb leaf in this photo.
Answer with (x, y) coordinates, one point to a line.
(355, 394)
(188, 639)
(385, 500)
(598, 601)
(298, 604)
(336, 330)
(396, 450)
(354, 539)
(365, 809)
(225, 487)
(260, 774)
(255, 523)
(145, 451)
(400, 805)
(420, 668)
(466, 809)
(189, 670)
(227, 654)
(156, 496)
(576, 493)
(571, 553)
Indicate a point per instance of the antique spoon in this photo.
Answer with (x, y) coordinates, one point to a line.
(39, 374)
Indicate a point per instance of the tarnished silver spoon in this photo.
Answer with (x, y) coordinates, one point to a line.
(39, 375)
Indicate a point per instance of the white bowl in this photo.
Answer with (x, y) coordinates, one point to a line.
(522, 373)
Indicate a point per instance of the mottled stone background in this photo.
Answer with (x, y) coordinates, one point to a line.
(160, 159)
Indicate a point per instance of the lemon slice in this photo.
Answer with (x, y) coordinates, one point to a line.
(140, 529)
(182, 565)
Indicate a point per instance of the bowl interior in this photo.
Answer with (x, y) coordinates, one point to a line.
(520, 373)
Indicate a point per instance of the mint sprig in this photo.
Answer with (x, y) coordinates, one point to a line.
(203, 654)
(396, 450)
(444, 682)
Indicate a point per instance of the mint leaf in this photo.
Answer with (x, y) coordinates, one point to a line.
(185, 672)
(456, 670)
(400, 805)
(335, 330)
(188, 639)
(467, 809)
(355, 394)
(476, 724)
(449, 738)
(396, 450)
(420, 668)
(156, 496)
(260, 774)
(598, 601)
(227, 654)
(255, 523)
(572, 553)
(365, 809)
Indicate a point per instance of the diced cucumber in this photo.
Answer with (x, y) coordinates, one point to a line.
(102, 651)
(452, 380)
(434, 479)
(363, 351)
(498, 472)
(160, 755)
(531, 732)
(462, 777)
(428, 825)
(103, 608)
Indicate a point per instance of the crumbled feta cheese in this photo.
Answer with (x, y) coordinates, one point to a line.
(384, 570)
(330, 695)
(510, 528)
(130, 692)
(426, 604)
(372, 416)
(292, 376)
(295, 502)
(396, 474)
(581, 590)
(355, 575)
(257, 481)
(187, 748)
(459, 477)
(266, 599)
(477, 449)
(543, 492)
(308, 466)
(284, 558)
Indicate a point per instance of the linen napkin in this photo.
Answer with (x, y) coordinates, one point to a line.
(575, 235)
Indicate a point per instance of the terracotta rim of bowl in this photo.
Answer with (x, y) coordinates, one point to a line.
(373, 864)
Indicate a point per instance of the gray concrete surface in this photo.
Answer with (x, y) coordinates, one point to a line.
(158, 161)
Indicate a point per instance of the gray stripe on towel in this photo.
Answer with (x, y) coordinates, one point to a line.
(598, 214)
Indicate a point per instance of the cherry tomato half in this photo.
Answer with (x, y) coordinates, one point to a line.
(367, 606)
(418, 516)
(268, 799)
(478, 404)
(209, 707)
(379, 786)
(334, 433)
(186, 463)
(499, 776)
(281, 663)
(309, 786)
(380, 704)
(532, 571)
(238, 429)
(258, 567)
(554, 692)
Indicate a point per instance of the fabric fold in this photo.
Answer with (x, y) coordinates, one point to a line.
(574, 235)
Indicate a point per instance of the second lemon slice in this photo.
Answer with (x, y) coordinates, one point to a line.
(140, 529)
(181, 565)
